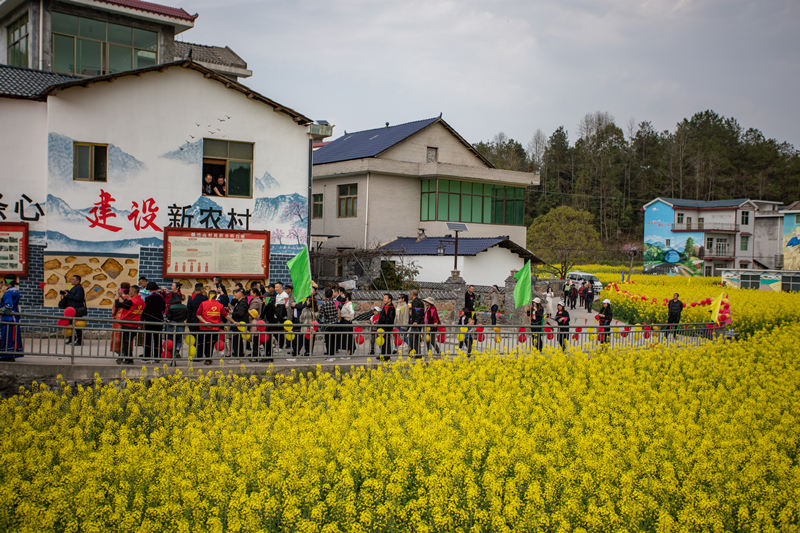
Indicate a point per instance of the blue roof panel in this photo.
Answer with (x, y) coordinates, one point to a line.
(368, 143)
(430, 245)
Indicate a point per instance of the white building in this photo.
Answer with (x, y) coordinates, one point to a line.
(369, 187)
(481, 260)
(99, 166)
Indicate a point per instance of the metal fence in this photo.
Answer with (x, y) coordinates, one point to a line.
(176, 344)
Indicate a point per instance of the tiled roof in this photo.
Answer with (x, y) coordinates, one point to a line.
(149, 7)
(28, 83)
(699, 204)
(217, 55)
(466, 246)
(368, 143)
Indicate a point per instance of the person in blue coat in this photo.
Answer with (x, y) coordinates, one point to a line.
(10, 338)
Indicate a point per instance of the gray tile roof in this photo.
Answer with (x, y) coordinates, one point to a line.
(28, 83)
(680, 202)
(217, 55)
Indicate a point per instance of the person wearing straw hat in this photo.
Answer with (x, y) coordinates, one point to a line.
(431, 321)
(10, 339)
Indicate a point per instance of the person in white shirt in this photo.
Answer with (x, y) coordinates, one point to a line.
(281, 297)
(347, 314)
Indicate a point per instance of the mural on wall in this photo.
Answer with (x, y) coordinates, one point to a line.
(668, 252)
(791, 241)
(141, 198)
(100, 276)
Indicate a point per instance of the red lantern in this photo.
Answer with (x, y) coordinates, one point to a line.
(69, 312)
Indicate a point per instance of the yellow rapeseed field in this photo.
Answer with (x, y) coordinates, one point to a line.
(644, 301)
(664, 438)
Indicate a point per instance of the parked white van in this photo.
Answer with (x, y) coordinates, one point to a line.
(580, 277)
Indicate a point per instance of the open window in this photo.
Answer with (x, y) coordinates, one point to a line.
(227, 168)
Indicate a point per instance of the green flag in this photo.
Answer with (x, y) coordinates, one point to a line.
(300, 270)
(522, 290)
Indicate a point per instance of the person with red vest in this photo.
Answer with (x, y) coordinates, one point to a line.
(210, 314)
(132, 306)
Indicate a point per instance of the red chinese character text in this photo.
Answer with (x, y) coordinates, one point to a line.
(101, 212)
(146, 217)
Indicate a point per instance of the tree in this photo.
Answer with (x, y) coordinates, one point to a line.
(396, 275)
(563, 238)
(505, 153)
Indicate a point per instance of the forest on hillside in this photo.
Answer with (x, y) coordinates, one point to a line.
(613, 172)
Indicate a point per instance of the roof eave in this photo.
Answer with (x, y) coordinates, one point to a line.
(185, 63)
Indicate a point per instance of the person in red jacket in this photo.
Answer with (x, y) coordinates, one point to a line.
(432, 321)
(132, 306)
(210, 314)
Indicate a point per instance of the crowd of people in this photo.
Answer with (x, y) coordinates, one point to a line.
(267, 319)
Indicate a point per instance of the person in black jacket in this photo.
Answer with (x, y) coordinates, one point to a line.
(386, 321)
(605, 320)
(239, 313)
(177, 313)
(75, 297)
(537, 319)
(469, 301)
(154, 307)
(416, 318)
(562, 319)
(193, 305)
(674, 310)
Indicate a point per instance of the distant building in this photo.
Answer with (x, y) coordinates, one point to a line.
(695, 237)
(95, 37)
(369, 187)
(791, 237)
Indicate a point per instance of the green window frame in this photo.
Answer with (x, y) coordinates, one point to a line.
(89, 161)
(17, 42)
(237, 159)
(88, 47)
(316, 206)
(745, 243)
(475, 202)
(347, 200)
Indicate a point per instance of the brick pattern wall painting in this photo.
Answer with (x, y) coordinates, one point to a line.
(100, 275)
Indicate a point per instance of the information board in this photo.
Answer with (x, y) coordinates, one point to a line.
(14, 248)
(202, 253)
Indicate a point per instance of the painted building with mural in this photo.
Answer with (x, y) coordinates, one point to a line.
(791, 237)
(98, 167)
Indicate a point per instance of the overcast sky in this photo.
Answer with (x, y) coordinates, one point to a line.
(516, 65)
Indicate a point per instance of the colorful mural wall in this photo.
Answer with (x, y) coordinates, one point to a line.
(791, 241)
(668, 252)
(100, 276)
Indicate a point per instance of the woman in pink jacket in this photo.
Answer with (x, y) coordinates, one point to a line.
(431, 322)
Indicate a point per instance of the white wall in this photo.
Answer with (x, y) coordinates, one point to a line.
(23, 158)
(490, 267)
(158, 113)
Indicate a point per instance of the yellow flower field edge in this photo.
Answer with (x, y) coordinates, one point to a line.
(644, 301)
(666, 438)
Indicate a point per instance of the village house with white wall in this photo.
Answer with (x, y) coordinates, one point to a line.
(408, 180)
(99, 162)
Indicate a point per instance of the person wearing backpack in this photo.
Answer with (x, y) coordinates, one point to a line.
(176, 316)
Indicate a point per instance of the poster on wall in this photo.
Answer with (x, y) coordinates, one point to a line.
(191, 253)
(14, 248)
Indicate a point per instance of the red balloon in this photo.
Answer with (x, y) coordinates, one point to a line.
(479, 328)
(578, 330)
(62, 322)
(69, 312)
(359, 339)
(358, 329)
(481, 337)
(264, 337)
(521, 338)
(693, 304)
(220, 345)
(522, 330)
(168, 345)
(548, 329)
(440, 337)
(550, 335)
(575, 336)
(441, 329)
(166, 354)
(261, 325)
(646, 334)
